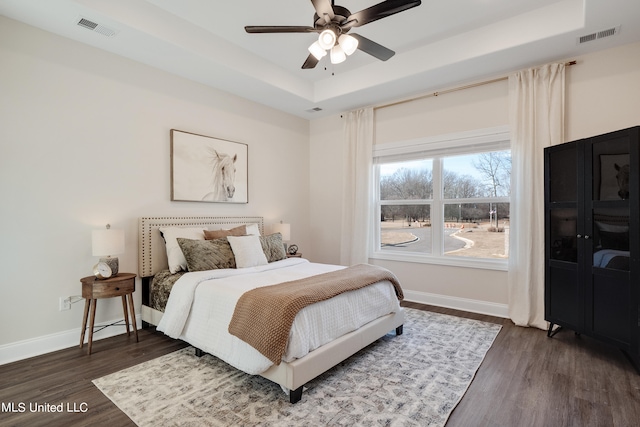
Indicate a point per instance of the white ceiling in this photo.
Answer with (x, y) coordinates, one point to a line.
(439, 44)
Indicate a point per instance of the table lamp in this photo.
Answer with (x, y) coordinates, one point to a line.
(285, 230)
(108, 242)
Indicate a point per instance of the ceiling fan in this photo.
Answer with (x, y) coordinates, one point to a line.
(333, 23)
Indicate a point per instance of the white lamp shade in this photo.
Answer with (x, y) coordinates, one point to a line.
(348, 44)
(337, 55)
(317, 51)
(107, 242)
(284, 229)
(327, 39)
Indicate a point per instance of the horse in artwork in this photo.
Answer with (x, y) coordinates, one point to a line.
(623, 180)
(224, 176)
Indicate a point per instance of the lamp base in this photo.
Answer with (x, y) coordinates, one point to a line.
(112, 262)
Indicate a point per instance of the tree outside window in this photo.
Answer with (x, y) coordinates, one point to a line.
(468, 196)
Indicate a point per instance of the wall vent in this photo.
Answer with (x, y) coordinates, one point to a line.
(599, 35)
(95, 27)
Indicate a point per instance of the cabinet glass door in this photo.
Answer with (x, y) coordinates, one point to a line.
(610, 203)
(563, 230)
(562, 174)
(610, 292)
(563, 197)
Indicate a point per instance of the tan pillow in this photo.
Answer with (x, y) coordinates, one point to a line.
(218, 234)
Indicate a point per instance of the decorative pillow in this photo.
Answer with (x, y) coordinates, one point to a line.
(253, 230)
(247, 251)
(273, 247)
(175, 257)
(204, 255)
(612, 240)
(219, 234)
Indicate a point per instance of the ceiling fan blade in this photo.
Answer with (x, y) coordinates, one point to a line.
(253, 29)
(373, 48)
(381, 10)
(324, 9)
(311, 62)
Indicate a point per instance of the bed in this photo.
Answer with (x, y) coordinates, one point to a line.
(180, 303)
(612, 242)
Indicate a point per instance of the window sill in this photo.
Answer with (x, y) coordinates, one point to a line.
(485, 264)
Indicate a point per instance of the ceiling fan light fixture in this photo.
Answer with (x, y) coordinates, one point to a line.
(348, 44)
(327, 39)
(337, 55)
(317, 51)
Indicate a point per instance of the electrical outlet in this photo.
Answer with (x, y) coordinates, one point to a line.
(64, 304)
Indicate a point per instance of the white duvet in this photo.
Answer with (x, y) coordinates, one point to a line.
(201, 305)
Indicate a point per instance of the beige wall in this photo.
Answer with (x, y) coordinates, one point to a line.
(602, 95)
(84, 141)
(603, 92)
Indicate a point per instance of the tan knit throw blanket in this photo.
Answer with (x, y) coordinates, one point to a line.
(263, 316)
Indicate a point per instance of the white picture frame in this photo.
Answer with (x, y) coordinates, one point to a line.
(208, 169)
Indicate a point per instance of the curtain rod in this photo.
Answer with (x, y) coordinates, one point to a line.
(455, 89)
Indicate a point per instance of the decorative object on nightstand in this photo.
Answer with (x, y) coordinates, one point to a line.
(285, 230)
(105, 243)
(292, 252)
(121, 285)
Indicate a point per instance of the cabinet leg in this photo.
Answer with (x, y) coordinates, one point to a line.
(551, 332)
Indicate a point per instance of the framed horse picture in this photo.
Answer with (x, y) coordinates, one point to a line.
(614, 176)
(208, 169)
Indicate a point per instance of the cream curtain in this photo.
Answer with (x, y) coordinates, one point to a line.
(357, 186)
(536, 99)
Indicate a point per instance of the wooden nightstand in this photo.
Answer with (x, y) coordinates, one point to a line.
(122, 285)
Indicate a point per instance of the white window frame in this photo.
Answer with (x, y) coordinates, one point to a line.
(436, 148)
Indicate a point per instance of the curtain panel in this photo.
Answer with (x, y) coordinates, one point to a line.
(536, 107)
(357, 194)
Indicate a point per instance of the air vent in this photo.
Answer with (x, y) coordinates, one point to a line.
(588, 38)
(95, 27)
(599, 35)
(314, 110)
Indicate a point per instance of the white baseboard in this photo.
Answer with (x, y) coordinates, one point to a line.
(58, 341)
(48, 343)
(464, 304)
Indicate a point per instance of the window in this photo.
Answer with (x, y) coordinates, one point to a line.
(444, 200)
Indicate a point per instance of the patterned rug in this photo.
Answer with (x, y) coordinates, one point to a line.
(415, 379)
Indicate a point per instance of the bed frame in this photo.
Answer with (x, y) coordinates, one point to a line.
(293, 375)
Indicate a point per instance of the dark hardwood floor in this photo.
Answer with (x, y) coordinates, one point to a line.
(526, 379)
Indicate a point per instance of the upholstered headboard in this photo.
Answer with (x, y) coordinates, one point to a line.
(152, 255)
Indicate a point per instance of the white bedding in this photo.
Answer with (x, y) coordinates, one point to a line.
(201, 305)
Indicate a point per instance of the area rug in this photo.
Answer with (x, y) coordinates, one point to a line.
(415, 379)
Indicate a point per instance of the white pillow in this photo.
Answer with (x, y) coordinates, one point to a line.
(175, 257)
(247, 250)
(253, 230)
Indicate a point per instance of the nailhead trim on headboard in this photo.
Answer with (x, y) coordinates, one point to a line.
(149, 262)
